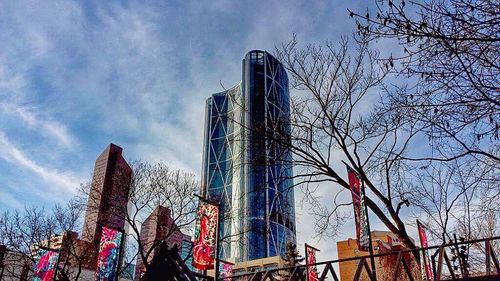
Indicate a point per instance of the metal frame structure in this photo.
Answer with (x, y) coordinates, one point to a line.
(490, 258)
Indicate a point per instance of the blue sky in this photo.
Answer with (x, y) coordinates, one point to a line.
(75, 76)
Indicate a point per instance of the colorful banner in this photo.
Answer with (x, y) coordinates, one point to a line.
(45, 265)
(225, 270)
(312, 270)
(205, 236)
(360, 216)
(109, 254)
(423, 243)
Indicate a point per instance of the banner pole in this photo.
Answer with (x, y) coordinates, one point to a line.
(57, 263)
(120, 254)
(307, 262)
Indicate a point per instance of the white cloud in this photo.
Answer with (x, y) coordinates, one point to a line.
(35, 121)
(14, 91)
(59, 181)
(137, 74)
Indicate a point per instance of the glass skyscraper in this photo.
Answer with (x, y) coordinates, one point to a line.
(244, 169)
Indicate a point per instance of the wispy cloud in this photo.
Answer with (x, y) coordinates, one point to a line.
(15, 90)
(135, 73)
(60, 181)
(34, 120)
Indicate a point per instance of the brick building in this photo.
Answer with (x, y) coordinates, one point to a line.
(158, 226)
(108, 197)
(383, 242)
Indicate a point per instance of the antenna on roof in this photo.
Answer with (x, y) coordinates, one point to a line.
(222, 85)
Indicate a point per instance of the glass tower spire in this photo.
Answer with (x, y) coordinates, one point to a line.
(244, 168)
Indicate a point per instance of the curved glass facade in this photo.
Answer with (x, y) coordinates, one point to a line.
(243, 169)
(222, 178)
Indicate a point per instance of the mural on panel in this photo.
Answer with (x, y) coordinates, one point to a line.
(109, 254)
(205, 236)
(45, 265)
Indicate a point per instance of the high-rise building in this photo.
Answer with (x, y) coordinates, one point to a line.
(109, 192)
(157, 227)
(244, 168)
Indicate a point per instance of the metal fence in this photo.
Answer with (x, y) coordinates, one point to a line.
(466, 260)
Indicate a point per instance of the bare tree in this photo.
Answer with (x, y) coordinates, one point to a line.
(161, 207)
(451, 50)
(158, 185)
(152, 187)
(454, 200)
(333, 118)
(448, 197)
(22, 232)
(344, 110)
(449, 63)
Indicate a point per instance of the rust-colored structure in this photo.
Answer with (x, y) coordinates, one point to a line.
(74, 252)
(108, 196)
(159, 226)
(383, 242)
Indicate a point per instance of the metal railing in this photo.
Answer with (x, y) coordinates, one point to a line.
(482, 261)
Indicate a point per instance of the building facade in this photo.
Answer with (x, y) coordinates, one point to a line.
(245, 168)
(109, 192)
(383, 242)
(157, 227)
(14, 266)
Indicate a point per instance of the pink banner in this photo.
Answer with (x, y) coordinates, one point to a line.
(45, 265)
(312, 270)
(225, 270)
(424, 244)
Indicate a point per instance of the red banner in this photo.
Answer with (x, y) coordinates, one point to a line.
(360, 215)
(424, 244)
(205, 236)
(45, 265)
(312, 270)
(109, 254)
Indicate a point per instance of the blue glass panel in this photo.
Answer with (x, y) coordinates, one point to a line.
(216, 180)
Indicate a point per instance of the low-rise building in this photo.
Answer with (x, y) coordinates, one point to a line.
(252, 266)
(14, 265)
(383, 242)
